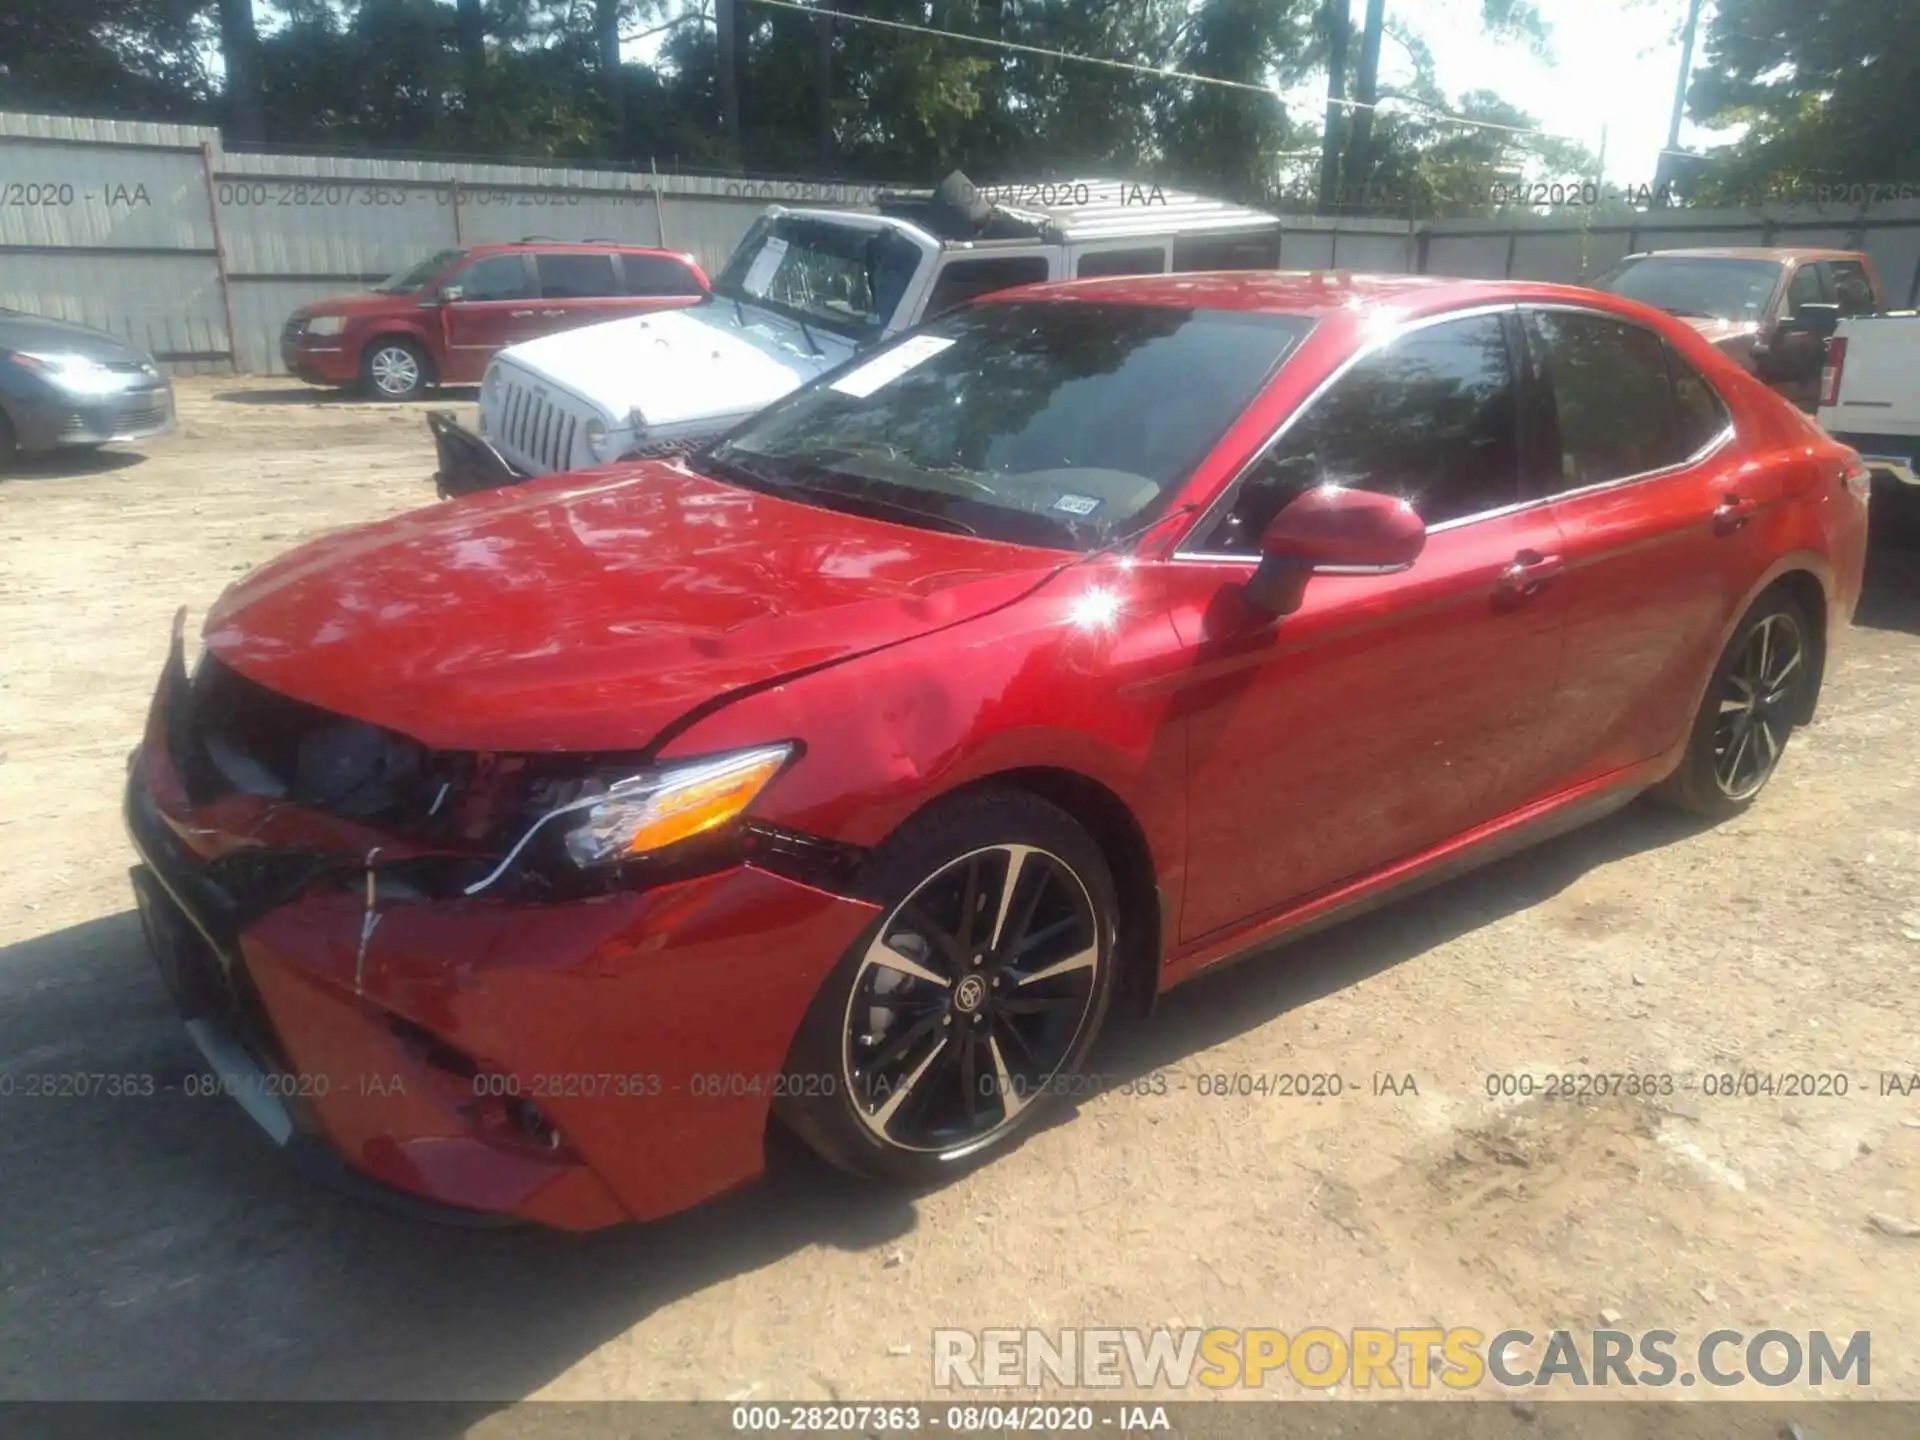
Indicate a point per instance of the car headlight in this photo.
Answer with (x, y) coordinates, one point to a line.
(610, 820)
(596, 434)
(76, 374)
(326, 324)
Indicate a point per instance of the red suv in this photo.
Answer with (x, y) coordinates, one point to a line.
(439, 322)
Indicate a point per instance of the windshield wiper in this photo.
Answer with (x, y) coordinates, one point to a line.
(1689, 314)
(812, 344)
(785, 480)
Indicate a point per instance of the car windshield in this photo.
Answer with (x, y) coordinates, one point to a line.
(1063, 424)
(1700, 286)
(844, 277)
(415, 277)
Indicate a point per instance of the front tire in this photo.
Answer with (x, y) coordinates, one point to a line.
(394, 369)
(1758, 688)
(964, 1012)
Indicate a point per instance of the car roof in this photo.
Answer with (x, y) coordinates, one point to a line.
(1308, 293)
(535, 242)
(1753, 252)
(1086, 208)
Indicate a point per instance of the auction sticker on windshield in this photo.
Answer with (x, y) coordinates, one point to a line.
(863, 380)
(760, 273)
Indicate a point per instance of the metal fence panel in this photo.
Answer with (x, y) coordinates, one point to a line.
(168, 305)
(1472, 257)
(154, 232)
(68, 196)
(1567, 257)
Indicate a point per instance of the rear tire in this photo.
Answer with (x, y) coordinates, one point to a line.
(394, 369)
(964, 1012)
(9, 448)
(1748, 712)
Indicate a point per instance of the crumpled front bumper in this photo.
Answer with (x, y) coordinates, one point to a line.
(394, 1046)
(468, 463)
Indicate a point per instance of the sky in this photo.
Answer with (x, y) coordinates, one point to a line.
(1611, 63)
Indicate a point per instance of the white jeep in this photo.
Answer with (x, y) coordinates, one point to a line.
(805, 291)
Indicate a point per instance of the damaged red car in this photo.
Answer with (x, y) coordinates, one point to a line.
(530, 856)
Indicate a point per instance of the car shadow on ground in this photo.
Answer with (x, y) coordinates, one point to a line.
(157, 1246)
(1265, 984)
(309, 395)
(1890, 598)
(69, 464)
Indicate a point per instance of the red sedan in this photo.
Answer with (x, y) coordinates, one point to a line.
(530, 855)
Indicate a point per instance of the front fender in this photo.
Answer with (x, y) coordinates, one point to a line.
(1054, 681)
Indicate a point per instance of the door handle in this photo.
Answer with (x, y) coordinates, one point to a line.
(552, 314)
(1732, 512)
(518, 314)
(1528, 574)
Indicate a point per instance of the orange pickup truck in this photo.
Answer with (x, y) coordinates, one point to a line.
(1770, 309)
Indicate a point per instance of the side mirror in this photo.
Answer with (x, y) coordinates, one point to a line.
(1332, 530)
(1812, 317)
(450, 294)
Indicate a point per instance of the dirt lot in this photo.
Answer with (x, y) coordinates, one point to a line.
(156, 1247)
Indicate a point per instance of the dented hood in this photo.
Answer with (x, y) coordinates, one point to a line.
(713, 361)
(588, 611)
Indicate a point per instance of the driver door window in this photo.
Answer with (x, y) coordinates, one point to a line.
(1431, 418)
(498, 277)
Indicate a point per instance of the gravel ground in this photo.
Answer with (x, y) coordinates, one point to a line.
(155, 1246)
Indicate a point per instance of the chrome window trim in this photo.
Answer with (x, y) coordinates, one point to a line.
(1720, 439)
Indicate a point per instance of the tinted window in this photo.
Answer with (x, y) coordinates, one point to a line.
(1614, 407)
(1725, 289)
(575, 277)
(1121, 262)
(1805, 288)
(405, 282)
(1702, 413)
(657, 275)
(1227, 252)
(962, 280)
(1429, 418)
(498, 277)
(1851, 287)
(1063, 425)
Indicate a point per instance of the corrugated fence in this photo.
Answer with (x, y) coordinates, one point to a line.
(198, 254)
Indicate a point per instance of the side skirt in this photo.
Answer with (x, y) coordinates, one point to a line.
(1483, 845)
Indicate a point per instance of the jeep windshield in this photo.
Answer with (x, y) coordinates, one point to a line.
(846, 278)
(415, 277)
(1061, 424)
(1702, 286)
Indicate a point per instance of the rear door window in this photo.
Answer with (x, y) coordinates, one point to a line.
(1148, 260)
(1616, 407)
(576, 276)
(657, 275)
(962, 280)
(1851, 287)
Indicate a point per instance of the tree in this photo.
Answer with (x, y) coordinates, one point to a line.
(1824, 87)
(126, 59)
(240, 54)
